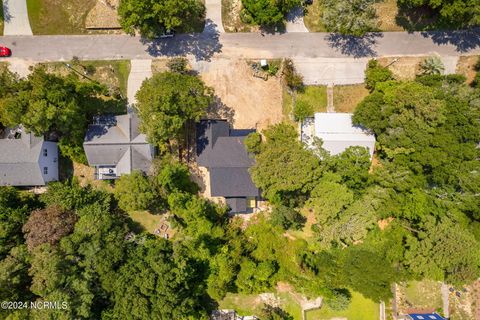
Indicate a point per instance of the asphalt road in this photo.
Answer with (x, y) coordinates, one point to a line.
(210, 43)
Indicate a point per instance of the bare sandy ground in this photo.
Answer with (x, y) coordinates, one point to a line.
(246, 101)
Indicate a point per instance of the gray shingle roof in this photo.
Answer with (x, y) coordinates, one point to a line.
(237, 204)
(19, 158)
(222, 151)
(116, 141)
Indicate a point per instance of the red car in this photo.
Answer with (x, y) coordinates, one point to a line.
(5, 52)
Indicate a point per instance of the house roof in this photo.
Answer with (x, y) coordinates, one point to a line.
(425, 316)
(338, 133)
(222, 151)
(19, 159)
(117, 141)
(237, 204)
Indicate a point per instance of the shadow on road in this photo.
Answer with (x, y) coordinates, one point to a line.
(463, 40)
(357, 47)
(202, 45)
(6, 13)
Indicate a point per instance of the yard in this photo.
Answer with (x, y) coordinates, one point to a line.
(390, 17)
(246, 101)
(114, 73)
(419, 295)
(403, 68)
(145, 221)
(346, 98)
(316, 96)
(59, 16)
(360, 309)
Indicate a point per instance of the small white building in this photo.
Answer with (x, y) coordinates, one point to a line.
(337, 132)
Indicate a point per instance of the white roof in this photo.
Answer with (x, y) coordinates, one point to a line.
(338, 133)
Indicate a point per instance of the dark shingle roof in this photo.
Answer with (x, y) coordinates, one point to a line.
(116, 141)
(237, 204)
(222, 151)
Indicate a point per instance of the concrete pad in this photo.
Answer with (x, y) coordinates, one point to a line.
(450, 63)
(16, 21)
(295, 20)
(213, 16)
(139, 71)
(325, 71)
(20, 66)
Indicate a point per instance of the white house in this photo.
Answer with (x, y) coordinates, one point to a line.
(27, 160)
(337, 132)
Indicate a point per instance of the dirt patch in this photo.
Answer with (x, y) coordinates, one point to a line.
(346, 98)
(387, 12)
(245, 101)
(382, 224)
(159, 65)
(466, 66)
(231, 17)
(404, 68)
(103, 15)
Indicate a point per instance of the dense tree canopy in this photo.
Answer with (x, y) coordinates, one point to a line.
(152, 18)
(349, 17)
(266, 12)
(166, 104)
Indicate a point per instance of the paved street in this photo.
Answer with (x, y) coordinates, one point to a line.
(243, 45)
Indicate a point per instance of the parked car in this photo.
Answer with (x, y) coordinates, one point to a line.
(5, 52)
(167, 34)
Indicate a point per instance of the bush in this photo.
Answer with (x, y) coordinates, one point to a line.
(302, 110)
(432, 65)
(292, 78)
(339, 300)
(376, 73)
(287, 218)
(253, 142)
(134, 192)
(476, 81)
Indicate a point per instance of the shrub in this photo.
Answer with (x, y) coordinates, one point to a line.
(178, 65)
(253, 142)
(376, 73)
(287, 218)
(302, 110)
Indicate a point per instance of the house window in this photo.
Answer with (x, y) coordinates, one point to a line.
(45, 170)
(45, 152)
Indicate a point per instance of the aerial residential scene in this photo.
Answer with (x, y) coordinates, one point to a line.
(240, 159)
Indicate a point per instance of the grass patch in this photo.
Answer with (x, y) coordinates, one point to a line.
(1, 20)
(145, 221)
(316, 96)
(312, 19)
(112, 73)
(423, 294)
(58, 16)
(360, 308)
(346, 98)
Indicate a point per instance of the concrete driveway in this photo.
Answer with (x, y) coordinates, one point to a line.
(16, 18)
(295, 20)
(139, 71)
(214, 15)
(325, 71)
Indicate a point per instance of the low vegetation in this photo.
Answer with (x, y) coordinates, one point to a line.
(346, 98)
(58, 17)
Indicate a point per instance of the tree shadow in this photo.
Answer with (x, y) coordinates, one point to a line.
(463, 40)
(6, 13)
(417, 19)
(219, 110)
(357, 47)
(201, 45)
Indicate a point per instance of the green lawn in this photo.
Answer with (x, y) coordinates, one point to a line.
(424, 294)
(316, 96)
(251, 304)
(58, 17)
(145, 220)
(360, 309)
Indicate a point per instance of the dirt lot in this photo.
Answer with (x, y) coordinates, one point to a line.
(231, 17)
(245, 101)
(405, 68)
(466, 66)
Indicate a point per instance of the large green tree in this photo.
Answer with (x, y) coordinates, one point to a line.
(266, 12)
(167, 102)
(152, 18)
(349, 17)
